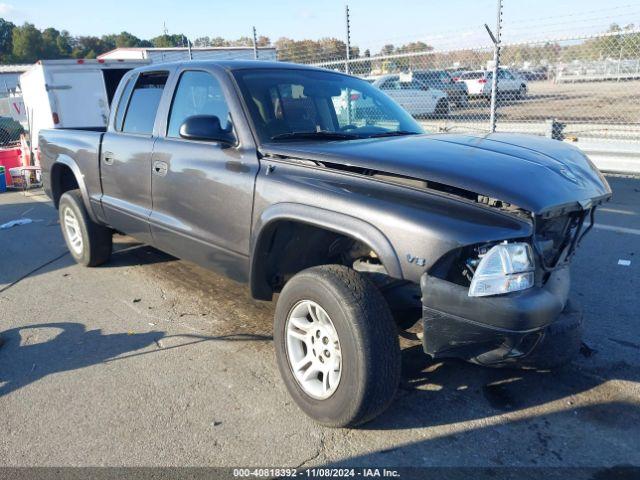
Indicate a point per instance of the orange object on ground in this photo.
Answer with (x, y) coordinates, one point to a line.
(26, 154)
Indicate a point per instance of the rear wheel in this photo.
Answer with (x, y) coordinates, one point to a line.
(336, 345)
(89, 243)
(522, 91)
(442, 108)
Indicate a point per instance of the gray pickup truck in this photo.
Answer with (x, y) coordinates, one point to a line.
(362, 225)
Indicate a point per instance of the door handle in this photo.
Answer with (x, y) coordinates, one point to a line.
(160, 168)
(107, 158)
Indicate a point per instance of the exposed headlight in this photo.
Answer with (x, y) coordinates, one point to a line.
(505, 268)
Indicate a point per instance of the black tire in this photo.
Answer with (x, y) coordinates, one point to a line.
(368, 339)
(97, 240)
(442, 108)
(463, 100)
(522, 92)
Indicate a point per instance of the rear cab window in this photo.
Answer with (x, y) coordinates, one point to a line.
(143, 102)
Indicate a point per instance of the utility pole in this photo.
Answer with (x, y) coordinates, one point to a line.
(255, 44)
(348, 43)
(496, 65)
(347, 58)
(189, 47)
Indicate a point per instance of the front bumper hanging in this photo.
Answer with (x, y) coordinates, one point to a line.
(497, 329)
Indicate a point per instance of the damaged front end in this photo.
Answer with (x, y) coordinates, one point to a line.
(508, 302)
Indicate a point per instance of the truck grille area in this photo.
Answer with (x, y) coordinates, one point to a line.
(556, 238)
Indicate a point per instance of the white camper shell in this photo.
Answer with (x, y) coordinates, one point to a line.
(71, 93)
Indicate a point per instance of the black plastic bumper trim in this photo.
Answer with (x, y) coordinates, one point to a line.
(519, 311)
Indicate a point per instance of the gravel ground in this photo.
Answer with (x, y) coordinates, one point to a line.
(152, 361)
(608, 110)
(593, 102)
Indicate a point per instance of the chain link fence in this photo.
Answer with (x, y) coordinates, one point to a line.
(585, 88)
(10, 129)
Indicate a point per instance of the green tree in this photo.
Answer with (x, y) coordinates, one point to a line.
(242, 42)
(169, 41)
(202, 42)
(63, 43)
(363, 68)
(219, 42)
(6, 40)
(128, 40)
(27, 43)
(387, 49)
(90, 46)
(50, 43)
(264, 41)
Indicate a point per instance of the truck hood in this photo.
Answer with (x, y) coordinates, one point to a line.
(534, 173)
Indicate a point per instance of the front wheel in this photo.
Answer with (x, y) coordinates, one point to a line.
(336, 345)
(89, 243)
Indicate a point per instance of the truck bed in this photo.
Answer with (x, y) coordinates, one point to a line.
(78, 147)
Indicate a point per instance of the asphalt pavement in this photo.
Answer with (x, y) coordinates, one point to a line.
(152, 361)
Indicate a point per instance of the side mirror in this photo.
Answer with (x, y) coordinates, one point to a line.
(206, 127)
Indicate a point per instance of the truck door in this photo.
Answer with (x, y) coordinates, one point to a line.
(125, 158)
(202, 190)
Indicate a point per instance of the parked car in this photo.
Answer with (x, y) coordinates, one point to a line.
(455, 74)
(71, 93)
(359, 226)
(509, 84)
(457, 92)
(414, 96)
(537, 74)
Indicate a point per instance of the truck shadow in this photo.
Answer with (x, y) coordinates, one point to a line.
(442, 392)
(38, 247)
(510, 423)
(125, 253)
(25, 359)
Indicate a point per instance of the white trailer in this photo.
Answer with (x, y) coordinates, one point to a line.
(71, 93)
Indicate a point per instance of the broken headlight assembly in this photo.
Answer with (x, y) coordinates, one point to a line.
(503, 268)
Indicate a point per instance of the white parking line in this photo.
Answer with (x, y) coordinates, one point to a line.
(615, 210)
(632, 231)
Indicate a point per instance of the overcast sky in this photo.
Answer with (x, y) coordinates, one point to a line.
(443, 23)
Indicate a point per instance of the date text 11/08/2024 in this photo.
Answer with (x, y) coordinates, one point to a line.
(316, 472)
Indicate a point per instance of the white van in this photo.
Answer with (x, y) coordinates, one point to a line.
(71, 93)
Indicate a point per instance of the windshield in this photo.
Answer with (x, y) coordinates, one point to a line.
(290, 104)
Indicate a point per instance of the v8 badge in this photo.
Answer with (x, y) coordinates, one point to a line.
(421, 262)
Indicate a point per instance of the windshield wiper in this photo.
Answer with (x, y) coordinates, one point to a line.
(323, 134)
(394, 133)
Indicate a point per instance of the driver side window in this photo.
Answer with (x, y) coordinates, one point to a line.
(198, 93)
